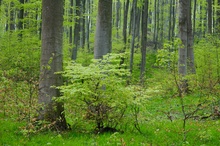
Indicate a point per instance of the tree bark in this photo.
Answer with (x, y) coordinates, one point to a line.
(210, 16)
(76, 31)
(71, 27)
(51, 62)
(144, 40)
(218, 18)
(21, 17)
(133, 35)
(194, 18)
(118, 17)
(103, 36)
(190, 40)
(125, 23)
(182, 62)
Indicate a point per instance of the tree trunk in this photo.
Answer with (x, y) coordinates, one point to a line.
(133, 36)
(125, 23)
(71, 27)
(21, 17)
(12, 18)
(174, 20)
(83, 23)
(103, 36)
(170, 20)
(88, 21)
(76, 31)
(144, 40)
(210, 16)
(190, 40)
(182, 62)
(218, 19)
(194, 18)
(118, 14)
(51, 62)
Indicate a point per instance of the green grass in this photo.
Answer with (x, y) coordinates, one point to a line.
(156, 131)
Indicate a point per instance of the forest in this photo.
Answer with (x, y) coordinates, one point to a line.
(110, 72)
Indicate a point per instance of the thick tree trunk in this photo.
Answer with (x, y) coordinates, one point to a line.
(103, 36)
(51, 62)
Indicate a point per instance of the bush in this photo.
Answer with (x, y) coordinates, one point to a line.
(97, 94)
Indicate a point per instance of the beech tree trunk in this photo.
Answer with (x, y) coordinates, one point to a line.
(210, 16)
(190, 40)
(144, 40)
(51, 62)
(103, 36)
(133, 30)
(182, 62)
(76, 31)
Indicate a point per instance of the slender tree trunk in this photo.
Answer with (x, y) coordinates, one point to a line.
(71, 27)
(88, 21)
(103, 36)
(194, 18)
(162, 22)
(133, 36)
(174, 20)
(51, 62)
(210, 16)
(137, 26)
(144, 40)
(182, 63)
(83, 30)
(170, 20)
(155, 22)
(190, 40)
(76, 30)
(21, 17)
(218, 17)
(12, 19)
(125, 23)
(118, 14)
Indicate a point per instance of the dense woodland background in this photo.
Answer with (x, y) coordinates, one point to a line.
(159, 62)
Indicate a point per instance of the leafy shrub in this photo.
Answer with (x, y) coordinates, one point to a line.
(96, 94)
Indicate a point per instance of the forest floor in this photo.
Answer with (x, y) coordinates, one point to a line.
(158, 129)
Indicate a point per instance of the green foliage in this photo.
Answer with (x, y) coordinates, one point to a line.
(96, 93)
(207, 57)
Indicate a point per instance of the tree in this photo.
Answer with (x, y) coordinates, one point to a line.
(182, 62)
(21, 17)
(133, 30)
(210, 16)
(103, 36)
(186, 54)
(144, 39)
(51, 62)
(190, 39)
(76, 31)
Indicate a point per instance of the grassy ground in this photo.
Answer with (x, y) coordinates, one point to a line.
(157, 130)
